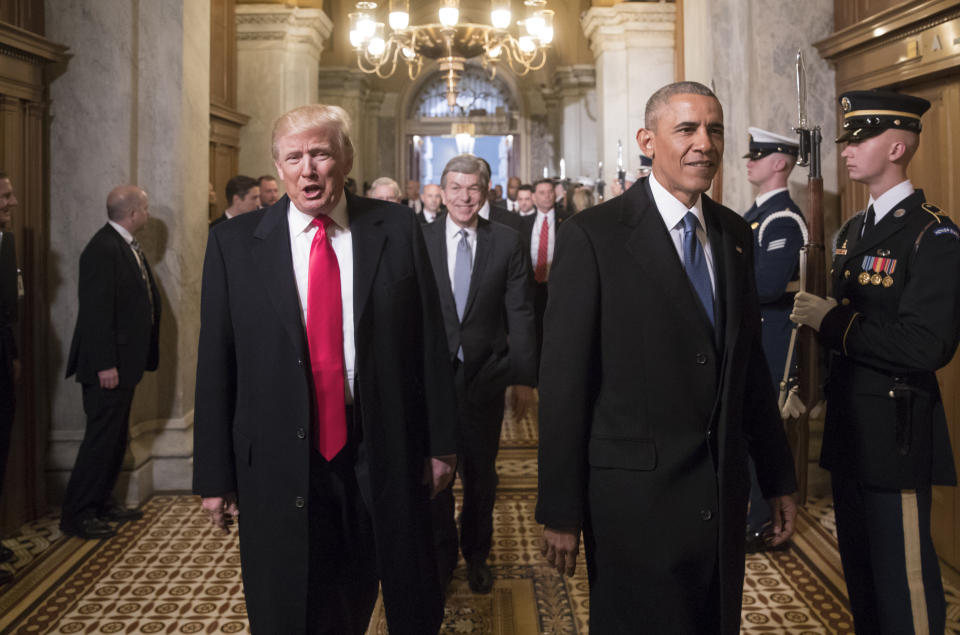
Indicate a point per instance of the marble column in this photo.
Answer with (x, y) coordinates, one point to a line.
(633, 47)
(278, 61)
(347, 88)
(131, 107)
(574, 86)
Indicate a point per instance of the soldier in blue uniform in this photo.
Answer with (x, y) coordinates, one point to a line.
(779, 231)
(893, 320)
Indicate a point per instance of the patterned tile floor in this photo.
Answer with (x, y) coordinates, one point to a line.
(172, 573)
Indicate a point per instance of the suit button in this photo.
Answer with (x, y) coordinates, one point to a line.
(300, 363)
(301, 433)
(846, 274)
(701, 359)
(299, 502)
(709, 434)
(706, 514)
(845, 302)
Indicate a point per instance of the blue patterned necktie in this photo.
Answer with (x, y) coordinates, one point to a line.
(695, 262)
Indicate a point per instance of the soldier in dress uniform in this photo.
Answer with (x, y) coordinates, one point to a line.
(779, 231)
(893, 320)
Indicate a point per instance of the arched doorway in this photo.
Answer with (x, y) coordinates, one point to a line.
(487, 110)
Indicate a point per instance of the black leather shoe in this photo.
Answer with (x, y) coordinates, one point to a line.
(88, 529)
(5, 576)
(118, 514)
(480, 577)
(6, 555)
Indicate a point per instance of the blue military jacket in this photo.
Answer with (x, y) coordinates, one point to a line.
(779, 231)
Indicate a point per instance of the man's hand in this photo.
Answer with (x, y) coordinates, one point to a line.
(522, 400)
(438, 472)
(560, 548)
(809, 309)
(783, 513)
(109, 378)
(220, 507)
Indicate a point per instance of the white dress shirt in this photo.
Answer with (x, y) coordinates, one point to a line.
(302, 231)
(511, 205)
(452, 232)
(766, 196)
(550, 218)
(484, 212)
(673, 211)
(428, 215)
(886, 201)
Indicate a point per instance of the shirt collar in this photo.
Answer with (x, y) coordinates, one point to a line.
(671, 209)
(890, 198)
(766, 196)
(301, 222)
(452, 229)
(484, 212)
(127, 236)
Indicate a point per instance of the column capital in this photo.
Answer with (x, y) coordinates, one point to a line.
(342, 81)
(270, 25)
(630, 25)
(574, 80)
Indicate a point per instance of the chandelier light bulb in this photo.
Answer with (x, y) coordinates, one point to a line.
(399, 17)
(408, 53)
(399, 20)
(356, 40)
(449, 13)
(534, 25)
(366, 26)
(546, 29)
(500, 18)
(377, 44)
(494, 52)
(526, 43)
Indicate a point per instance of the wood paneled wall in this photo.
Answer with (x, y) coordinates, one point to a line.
(26, 14)
(225, 119)
(25, 67)
(912, 47)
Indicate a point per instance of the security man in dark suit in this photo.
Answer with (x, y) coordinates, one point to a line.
(114, 342)
(779, 232)
(483, 275)
(243, 194)
(893, 320)
(9, 360)
(539, 232)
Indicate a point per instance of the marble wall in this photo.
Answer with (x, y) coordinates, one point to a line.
(748, 49)
(132, 106)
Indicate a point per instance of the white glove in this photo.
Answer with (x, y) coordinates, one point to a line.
(809, 309)
(793, 406)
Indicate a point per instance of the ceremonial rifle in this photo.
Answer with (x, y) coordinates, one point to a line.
(803, 339)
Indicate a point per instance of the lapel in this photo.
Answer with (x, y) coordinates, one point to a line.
(368, 240)
(435, 235)
(729, 263)
(271, 253)
(650, 245)
(484, 247)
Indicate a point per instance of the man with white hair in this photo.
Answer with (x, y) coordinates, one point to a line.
(385, 189)
(325, 402)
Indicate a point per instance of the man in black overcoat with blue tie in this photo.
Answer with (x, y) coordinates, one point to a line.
(654, 390)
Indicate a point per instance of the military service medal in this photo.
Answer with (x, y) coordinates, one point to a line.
(877, 265)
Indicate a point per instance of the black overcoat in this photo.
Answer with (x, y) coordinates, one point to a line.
(647, 417)
(253, 406)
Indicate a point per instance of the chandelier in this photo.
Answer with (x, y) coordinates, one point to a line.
(449, 41)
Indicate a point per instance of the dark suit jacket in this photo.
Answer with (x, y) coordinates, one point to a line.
(500, 301)
(889, 339)
(219, 219)
(8, 298)
(499, 214)
(647, 417)
(254, 402)
(114, 326)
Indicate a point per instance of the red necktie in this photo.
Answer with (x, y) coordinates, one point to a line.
(540, 271)
(325, 341)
